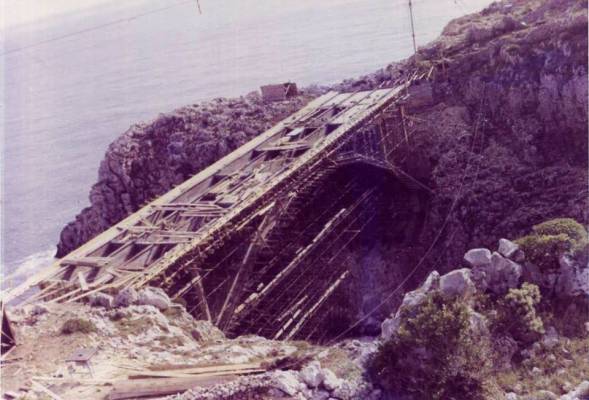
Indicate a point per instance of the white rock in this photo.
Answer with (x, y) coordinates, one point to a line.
(101, 300)
(320, 395)
(573, 279)
(389, 327)
(39, 309)
(126, 297)
(581, 392)
(507, 248)
(478, 257)
(153, 296)
(511, 396)
(550, 338)
(457, 283)
(503, 274)
(311, 374)
(330, 380)
(416, 297)
(287, 381)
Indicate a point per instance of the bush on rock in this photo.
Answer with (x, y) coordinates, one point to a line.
(550, 239)
(435, 354)
(517, 314)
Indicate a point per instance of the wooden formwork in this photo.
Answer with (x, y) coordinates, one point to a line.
(220, 237)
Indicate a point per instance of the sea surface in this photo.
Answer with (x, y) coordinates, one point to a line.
(71, 83)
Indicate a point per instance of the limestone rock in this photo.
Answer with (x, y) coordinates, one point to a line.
(389, 327)
(507, 248)
(504, 274)
(581, 392)
(153, 296)
(320, 395)
(573, 279)
(287, 381)
(457, 283)
(39, 309)
(478, 257)
(550, 338)
(126, 297)
(330, 380)
(416, 297)
(101, 300)
(311, 374)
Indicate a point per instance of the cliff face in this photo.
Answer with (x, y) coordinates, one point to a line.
(503, 143)
(150, 159)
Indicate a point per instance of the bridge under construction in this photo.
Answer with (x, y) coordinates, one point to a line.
(255, 243)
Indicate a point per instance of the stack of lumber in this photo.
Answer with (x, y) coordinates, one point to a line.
(149, 383)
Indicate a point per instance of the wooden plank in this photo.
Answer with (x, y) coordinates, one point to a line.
(161, 387)
(176, 374)
(46, 391)
(95, 262)
(82, 280)
(212, 368)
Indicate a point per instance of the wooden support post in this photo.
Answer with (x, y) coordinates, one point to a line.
(82, 280)
(202, 298)
(315, 306)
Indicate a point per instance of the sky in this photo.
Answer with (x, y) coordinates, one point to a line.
(18, 12)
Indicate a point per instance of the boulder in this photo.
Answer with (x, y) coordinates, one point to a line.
(411, 300)
(503, 274)
(507, 248)
(500, 275)
(581, 392)
(311, 374)
(330, 380)
(39, 309)
(478, 257)
(416, 297)
(126, 297)
(573, 278)
(101, 300)
(389, 327)
(550, 338)
(457, 283)
(152, 296)
(320, 395)
(287, 381)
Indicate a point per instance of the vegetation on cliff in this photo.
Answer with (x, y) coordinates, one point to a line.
(466, 335)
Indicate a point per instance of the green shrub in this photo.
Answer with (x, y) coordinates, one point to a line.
(77, 325)
(550, 239)
(517, 314)
(435, 355)
(567, 226)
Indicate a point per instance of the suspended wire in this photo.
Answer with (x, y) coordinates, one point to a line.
(98, 27)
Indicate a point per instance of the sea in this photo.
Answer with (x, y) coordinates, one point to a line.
(71, 82)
